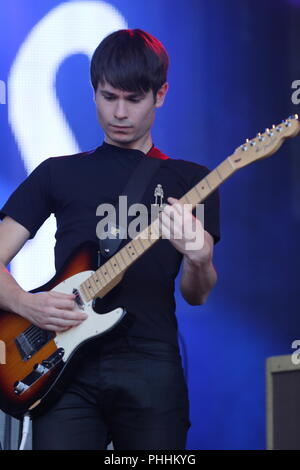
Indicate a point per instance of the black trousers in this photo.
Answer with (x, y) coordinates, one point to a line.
(130, 391)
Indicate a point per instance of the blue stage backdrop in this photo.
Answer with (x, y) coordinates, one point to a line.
(233, 68)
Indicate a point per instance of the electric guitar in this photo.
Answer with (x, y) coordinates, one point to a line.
(38, 363)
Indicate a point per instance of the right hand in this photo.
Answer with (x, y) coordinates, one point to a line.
(50, 310)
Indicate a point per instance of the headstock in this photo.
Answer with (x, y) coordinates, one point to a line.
(264, 145)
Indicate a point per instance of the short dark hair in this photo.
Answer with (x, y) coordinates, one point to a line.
(130, 60)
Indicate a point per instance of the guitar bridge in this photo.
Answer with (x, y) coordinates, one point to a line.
(39, 370)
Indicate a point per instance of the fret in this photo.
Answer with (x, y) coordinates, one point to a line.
(191, 197)
(97, 279)
(137, 246)
(92, 283)
(219, 175)
(120, 260)
(154, 230)
(142, 243)
(101, 277)
(225, 169)
(130, 250)
(200, 196)
(203, 188)
(115, 264)
(214, 179)
(105, 273)
(89, 288)
(112, 268)
(125, 256)
(186, 198)
(84, 291)
(143, 235)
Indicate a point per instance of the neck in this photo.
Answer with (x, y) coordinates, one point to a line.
(143, 144)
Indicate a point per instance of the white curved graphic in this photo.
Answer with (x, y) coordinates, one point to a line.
(35, 116)
(2, 92)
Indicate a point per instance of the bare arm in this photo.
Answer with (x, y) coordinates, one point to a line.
(49, 310)
(198, 276)
(12, 238)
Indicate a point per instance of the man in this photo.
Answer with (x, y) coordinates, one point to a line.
(130, 388)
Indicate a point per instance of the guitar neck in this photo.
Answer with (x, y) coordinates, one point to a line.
(108, 275)
(262, 146)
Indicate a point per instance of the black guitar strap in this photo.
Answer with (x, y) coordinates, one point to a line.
(134, 190)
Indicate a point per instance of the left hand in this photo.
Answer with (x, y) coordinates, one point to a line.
(186, 232)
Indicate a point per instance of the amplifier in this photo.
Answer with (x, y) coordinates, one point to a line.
(283, 403)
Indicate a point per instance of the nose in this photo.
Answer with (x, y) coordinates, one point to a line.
(120, 110)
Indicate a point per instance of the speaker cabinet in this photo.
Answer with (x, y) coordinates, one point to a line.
(283, 403)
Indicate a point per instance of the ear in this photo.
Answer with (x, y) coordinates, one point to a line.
(160, 95)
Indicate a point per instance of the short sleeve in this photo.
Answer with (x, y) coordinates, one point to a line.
(30, 203)
(211, 205)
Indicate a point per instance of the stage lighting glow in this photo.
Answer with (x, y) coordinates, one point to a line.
(35, 115)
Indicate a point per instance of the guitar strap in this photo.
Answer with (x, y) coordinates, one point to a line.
(134, 190)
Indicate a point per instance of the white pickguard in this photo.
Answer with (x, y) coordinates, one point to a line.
(94, 325)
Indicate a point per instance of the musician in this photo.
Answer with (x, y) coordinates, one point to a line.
(130, 388)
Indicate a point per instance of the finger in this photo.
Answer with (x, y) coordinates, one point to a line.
(173, 226)
(171, 211)
(61, 322)
(61, 294)
(63, 303)
(56, 328)
(74, 315)
(175, 204)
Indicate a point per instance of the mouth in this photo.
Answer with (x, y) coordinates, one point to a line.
(121, 127)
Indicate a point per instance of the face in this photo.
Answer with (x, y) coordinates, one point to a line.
(127, 117)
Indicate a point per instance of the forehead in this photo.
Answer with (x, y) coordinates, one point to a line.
(117, 91)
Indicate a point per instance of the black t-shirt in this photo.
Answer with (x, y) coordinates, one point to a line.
(73, 186)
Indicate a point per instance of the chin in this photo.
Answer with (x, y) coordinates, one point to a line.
(121, 139)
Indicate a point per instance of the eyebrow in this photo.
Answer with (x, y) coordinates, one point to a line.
(131, 95)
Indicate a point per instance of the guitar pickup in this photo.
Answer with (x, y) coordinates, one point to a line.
(32, 340)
